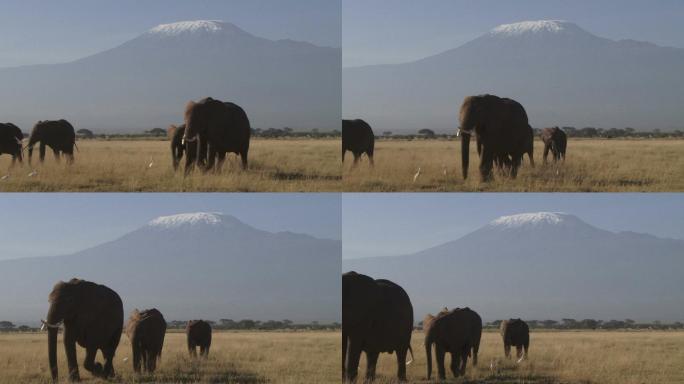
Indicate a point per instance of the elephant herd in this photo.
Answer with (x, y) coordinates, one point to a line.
(92, 315)
(500, 127)
(377, 316)
(212, 128)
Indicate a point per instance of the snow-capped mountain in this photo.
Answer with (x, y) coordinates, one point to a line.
(542, 265)
(146, 82)
(562, 74)
(194, 265)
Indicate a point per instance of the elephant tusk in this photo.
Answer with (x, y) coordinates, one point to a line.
(189, 139)
(458, 132)
(48, 325)
(521, 358)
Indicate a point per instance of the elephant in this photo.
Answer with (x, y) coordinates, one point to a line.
(515, 332)
(146, 332)
(377, 316)
(212, 129)
(198, 333)
(457, 332)
(11, 141)
(176, 136)
(56, 134)
(92, 315)
(555, 140)
(501, 129)
(357, 137)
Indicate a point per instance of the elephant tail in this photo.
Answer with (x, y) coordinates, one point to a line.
(410, 350)
(428, 353)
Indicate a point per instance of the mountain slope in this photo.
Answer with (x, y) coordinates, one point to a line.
(562, 74)
(193, 265)
(542, 265)
(147, 81)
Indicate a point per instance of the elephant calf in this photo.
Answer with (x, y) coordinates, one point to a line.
(457, 332)
(56, 134)
(10, 141)
(556, 140)
(357, 137)
(146, 331)
(199, 335)
(515, 332)
(176, 136)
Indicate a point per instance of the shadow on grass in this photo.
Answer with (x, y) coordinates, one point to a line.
(195, 373)
(282, 175)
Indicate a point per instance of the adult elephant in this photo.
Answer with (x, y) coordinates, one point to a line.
(501, 129)
(457, 332)
(10, 141)
(175, 134)
(92, 315)
(357, 137)
(377, 316)
(146, 332)
(212, 129)
(59, 135)
(198, 333)
(556, 140)
(515, 332)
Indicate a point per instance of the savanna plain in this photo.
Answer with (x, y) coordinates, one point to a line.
(555, 357)
(235, 357)
(592, 165)
(275, 165)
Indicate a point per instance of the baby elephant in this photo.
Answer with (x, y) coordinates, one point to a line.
(515, 332)
(555, 140)
(199, 335)
(146, 331)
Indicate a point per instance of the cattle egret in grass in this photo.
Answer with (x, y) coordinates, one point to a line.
(151, 163)
(415, 177)
(444, 170)
(125, 359)
(5, 177)
(33, 173)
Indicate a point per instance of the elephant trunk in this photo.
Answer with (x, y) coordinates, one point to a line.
(52, 351)
(465, 153)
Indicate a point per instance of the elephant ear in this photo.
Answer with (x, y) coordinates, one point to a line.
(171, 131)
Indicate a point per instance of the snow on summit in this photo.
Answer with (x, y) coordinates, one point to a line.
(189, 27)
(523, 27)
(525, 219)
(197, 218)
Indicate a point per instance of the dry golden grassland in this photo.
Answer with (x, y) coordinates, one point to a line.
(592, 165)
(235, 357)
(284, 165)
(568, 357)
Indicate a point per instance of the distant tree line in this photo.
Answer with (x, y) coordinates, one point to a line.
(593, 324)
(160, 133)
(227, 324)
(586, 132)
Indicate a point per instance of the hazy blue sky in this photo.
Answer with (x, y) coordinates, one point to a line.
(38, 32)
(54, 224)
(397, 224)
(395, 31)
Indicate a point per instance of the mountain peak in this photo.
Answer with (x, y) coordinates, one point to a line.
(194, 27)
(188, 219)
(533, 219)
(537, 26)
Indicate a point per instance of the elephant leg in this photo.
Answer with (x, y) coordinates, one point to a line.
(192, 348)
(530, 154)
(515, 164)
(89, 362)
(243, 157)
(371, 363)
(357, 157)
(344, 352)
(221, 160)
(439, 354)
(144, 355)
(353, 357)
(204, 351)
(343, 151)
(401, 364)
(546, 152)
(70, 348)
(42, 152)
(211, 157)
(370, 158)
(69, 157)
(455, 364)
(507, 350)
(464, 359)
(137, 356)
(486, 164)
(108, 370)
(518, 351)
(56, 153)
